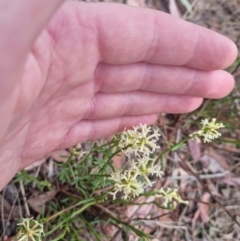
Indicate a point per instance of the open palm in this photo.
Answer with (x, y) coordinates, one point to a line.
(97, 68)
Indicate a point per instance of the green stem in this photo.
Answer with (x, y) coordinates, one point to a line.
(70, 208)
(109, 159)
(174, 147)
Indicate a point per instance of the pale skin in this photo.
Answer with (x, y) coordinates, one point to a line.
(82, 71)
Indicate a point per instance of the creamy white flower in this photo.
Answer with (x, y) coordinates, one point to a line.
(126, 183)
(209, 131)
(30, 229)
(171, 197)
(139, 140)
(78, 151)
(144, 167)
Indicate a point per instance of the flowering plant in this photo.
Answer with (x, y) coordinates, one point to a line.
(139, 140)
(30, 229)
(209, 131)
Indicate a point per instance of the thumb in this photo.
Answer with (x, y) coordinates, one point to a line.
(20, 23)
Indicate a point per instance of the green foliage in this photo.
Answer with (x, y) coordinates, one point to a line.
(91, 172)
(87, 180)
(27, 179)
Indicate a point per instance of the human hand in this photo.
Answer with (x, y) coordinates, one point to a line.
(95, 69)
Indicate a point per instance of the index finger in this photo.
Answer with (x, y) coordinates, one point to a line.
(128, 35)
